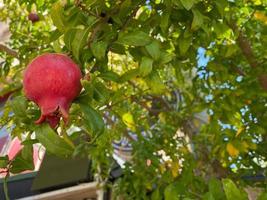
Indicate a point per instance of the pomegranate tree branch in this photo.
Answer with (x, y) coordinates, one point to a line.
(247, 51)
(245, 46)
(8, 51)
(79, 4)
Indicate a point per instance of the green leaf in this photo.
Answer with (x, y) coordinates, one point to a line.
(101, 93)
(23, 160)
(125, 8)
(171, 193)
(184, 43)
(156, 195)
(57, 15)
(130, 74)
(99, 49)
(221, 4)
(188, 4)
(231, 191)
(56, 46)
(55, 35)
(215, 188)
(117, 48)
(87, 95)
(136, 38)
(208, 196)
(3, 161)
(19, 107)
(52, 142)
(145, 66)
(69, 36)
(197, 20)
(166, 57)
(262, 196)
(110, 76)
(92, 119)
(155, 83)
(153, 49)
(79, 41)
(164, 24)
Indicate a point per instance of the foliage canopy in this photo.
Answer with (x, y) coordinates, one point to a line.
(154, 67)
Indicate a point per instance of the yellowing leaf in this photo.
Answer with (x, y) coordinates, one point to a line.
(162, 168)
(232, 151)
(239, 131)
(175, 169)
(162, 117)
(261, 17)
(128, 120)
(245, 146)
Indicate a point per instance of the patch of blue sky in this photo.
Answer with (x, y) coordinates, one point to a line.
(202, 62)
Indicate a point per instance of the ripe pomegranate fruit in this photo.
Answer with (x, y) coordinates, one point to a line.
(33, 17)
(52, 81)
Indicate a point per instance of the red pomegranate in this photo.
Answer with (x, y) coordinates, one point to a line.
(33, 17)
(52, 81)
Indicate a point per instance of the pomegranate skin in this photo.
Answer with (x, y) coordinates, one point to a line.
(52, 81)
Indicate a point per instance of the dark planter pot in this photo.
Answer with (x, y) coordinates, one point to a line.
(55, 173)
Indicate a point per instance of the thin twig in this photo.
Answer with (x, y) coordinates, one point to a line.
(79, 4)
(9, 51)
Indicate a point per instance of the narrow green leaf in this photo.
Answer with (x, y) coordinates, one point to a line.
(99, 49)
(136, 38)
(188, 4)
(57, 15)
(117, 48)
(52, 142)
(19, 106)
(145, 66)
(231, 191)
(153, 49)
(171, 193)
(23, 160)
(208, 196)
(56, 46)
(221, 4)
(155, 83)
(55, 35)
(184, 44)
(125, 8)
(197, 20)
(92, 119)
(216, 189)
(166, 57)
(87, 85)
(101, 93)
(79, 41)
(130, 74)
(69, 36)
(156, 195)
(110, 76)
(165, 21)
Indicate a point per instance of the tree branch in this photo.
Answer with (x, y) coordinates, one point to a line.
(79, 4)
(8, 51)
(247, 51)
